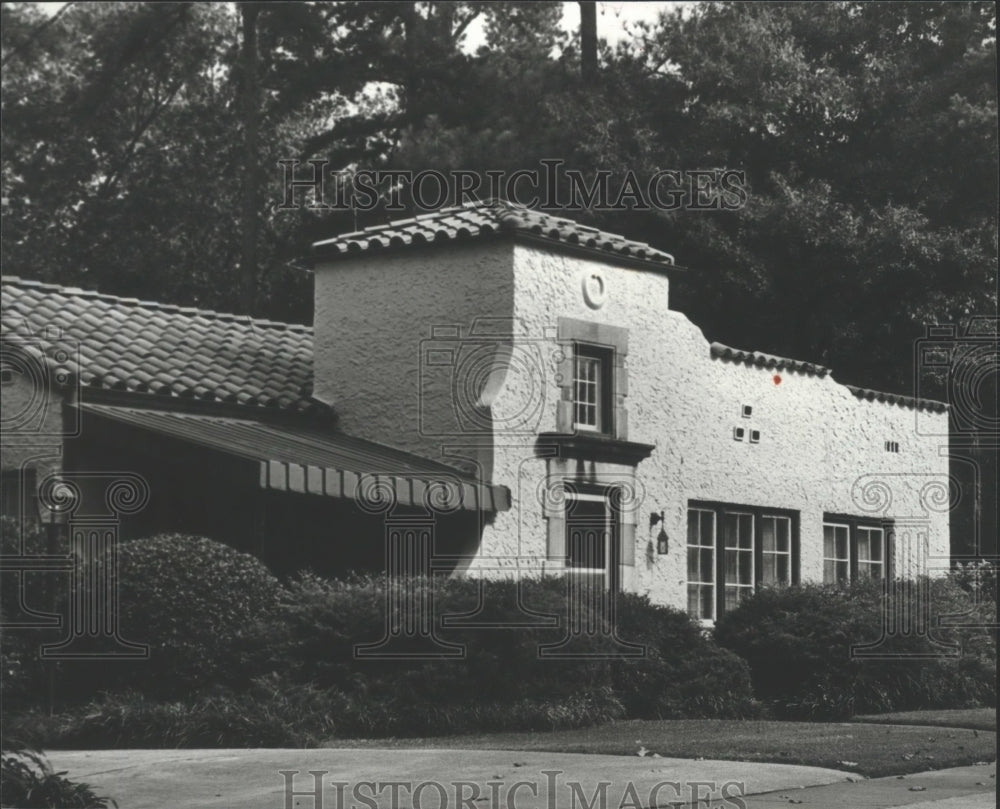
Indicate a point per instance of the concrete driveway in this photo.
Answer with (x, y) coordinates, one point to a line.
(431, 779)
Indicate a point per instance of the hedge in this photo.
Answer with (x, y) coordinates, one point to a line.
(501, 681)
(797, 642)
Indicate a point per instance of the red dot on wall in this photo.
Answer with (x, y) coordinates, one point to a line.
(777, 379)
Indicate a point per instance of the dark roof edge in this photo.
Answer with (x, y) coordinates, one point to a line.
(761, 360)
(913, 402)
(322, 253)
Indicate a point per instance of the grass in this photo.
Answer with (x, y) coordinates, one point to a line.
(872, 750)
(977, 718)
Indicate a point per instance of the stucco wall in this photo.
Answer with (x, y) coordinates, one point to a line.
(392, 332)
(821, 449)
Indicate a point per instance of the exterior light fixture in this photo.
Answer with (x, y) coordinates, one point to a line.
(662, 541)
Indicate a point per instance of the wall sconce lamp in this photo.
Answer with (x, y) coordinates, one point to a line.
(662, 541)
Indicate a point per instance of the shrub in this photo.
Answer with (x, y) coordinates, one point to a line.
(25, 676)
(195, 602)
(28, 782)
(797, 642)
(683, 674)
(500, 681)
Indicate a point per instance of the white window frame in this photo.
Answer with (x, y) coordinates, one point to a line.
(855, 564)
(776, 553)
(702, 583)
(836, 560)
(757, 514)
(600, 359)
(741, 553)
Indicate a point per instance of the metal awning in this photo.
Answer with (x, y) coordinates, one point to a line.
(313, 461)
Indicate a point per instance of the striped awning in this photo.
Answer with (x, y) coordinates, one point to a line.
(309, 460)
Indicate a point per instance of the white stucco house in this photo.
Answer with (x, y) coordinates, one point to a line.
(508, 393)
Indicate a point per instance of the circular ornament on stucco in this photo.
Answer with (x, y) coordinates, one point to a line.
(595, 289)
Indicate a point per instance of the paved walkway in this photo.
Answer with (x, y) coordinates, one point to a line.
(470, 779)
(252, 779)
(954, 788)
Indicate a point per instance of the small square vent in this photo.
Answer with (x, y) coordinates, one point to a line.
(739, 433)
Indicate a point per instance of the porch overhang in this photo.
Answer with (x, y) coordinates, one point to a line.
(309, 460)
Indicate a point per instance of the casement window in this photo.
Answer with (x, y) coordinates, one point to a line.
(593, 388)
(732, 550)
(855, 548)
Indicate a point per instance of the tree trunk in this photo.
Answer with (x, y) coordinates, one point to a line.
(250, 108)
(588, 40)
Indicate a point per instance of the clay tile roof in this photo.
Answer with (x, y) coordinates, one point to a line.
(125, 344)
(488, 219)
(898, 399)
(762, 360)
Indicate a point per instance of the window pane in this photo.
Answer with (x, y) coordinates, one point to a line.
(829, 548)
(769, 571)
(783, 532)
(708, 528)
(700, 598)
(694, 610)
(768, 539)
(732, 566)
(842, 542)
(734, 595)
(694, 519)
(784, 572)
(708, 564)
(864, 543)
(731, 530)
(746, 531)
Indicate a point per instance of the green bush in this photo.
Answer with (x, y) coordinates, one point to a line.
(28, 782)
(797, 642)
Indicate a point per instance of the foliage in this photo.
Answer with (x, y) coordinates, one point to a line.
(682, 675)
(28, 782)
(798, 644)
(27, 597)
(831, 110)
(194, 602)
(501, 680)
(269, 713)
